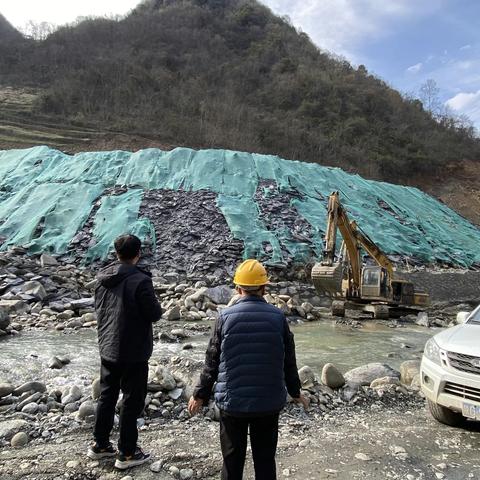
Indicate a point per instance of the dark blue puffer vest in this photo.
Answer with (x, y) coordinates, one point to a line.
(251, 372)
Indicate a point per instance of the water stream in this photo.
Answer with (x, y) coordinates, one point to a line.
(25, 357)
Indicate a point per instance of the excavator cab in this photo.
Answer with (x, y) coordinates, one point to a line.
(374, 283)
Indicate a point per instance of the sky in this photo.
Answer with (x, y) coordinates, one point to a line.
(404, 42)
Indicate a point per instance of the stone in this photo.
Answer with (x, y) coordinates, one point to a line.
(179, 332)
(55, 363)
(34, 288)
(30, 408)
(17, 307)
(174, 470)
(186, 473)
(87, 409)
(9, 428)
(20, 439)
(73, 464)
(220, 295)
(156, 467)
(65, 315)
(4, 318)
(96, 389)
(71, 395)
(408, 371)
(399, 452)
(176, 393)
(47, 260)
(75, 323)
(82, 303)
(366, 374)
(127, 477)
(30, 386)
(6, 389)
(381, 382)
(165, 379)
(173, 314)
(307, 377)
(363, 457)
(422, 319)
(416, 382)
(71, 407)
(332, 376)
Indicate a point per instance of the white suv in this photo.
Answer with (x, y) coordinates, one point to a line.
(450, 371)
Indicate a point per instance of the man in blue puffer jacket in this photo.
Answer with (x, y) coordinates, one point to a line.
(251, 362)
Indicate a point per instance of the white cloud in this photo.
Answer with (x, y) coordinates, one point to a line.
(415, 68)
(19, 12)
(342, 26)
(467, 103)
(465, 47)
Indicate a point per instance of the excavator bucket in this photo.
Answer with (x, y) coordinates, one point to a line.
(328, 279)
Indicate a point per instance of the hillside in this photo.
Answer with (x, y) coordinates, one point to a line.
(226, 74)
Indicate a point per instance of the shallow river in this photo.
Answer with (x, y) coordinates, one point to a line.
(24, 357)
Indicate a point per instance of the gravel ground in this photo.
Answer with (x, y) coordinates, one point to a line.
(398, 441)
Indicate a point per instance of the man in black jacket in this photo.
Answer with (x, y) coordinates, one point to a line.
(251, 362)
(126, 307)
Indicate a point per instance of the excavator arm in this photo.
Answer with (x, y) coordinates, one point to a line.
(327, 275)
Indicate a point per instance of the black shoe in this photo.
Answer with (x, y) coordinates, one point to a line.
(138, 458)
(96, 453)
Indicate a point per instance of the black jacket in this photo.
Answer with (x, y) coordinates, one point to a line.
(126, 306)
(251, 358)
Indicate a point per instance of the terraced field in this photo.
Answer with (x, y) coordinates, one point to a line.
(22, 126)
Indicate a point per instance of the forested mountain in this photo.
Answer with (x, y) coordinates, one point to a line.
(230, 74)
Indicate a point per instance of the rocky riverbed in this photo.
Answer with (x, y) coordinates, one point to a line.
(47, 401)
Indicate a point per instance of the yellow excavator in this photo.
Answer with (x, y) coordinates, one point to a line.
(371, 288)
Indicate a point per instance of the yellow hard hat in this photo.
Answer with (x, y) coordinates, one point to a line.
(250, 273)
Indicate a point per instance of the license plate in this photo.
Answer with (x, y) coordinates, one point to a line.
(471, 411)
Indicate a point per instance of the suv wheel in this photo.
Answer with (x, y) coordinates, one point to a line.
(445, 415)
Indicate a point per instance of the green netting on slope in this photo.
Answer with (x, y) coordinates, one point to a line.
(46, 216)
(35, 183)
(118, 215)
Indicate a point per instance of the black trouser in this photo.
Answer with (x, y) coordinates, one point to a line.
(132, 379)
(263, 439)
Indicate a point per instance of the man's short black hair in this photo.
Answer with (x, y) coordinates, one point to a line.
(127, 246)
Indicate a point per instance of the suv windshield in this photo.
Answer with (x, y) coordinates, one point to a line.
(475, 318)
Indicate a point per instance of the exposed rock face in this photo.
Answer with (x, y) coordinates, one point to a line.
(366, 374)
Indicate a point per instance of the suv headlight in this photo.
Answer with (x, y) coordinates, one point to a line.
(432, 351)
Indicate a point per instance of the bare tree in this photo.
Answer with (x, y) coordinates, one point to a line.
(429, 95)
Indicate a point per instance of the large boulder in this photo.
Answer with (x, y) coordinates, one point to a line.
(408, 371)
(366, 374)
(9, 428)
(332, 376)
